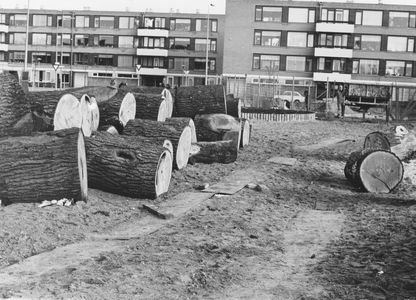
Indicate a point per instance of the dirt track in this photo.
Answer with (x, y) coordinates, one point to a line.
(308, 234)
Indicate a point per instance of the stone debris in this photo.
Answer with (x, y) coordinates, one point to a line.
(61, 202)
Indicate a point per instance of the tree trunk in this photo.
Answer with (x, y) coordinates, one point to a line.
(245, 132)
(108, 128)
(181, 140)
(217, 127)
(377, 140)
(234, 107)
(213, 152)
(16, 117)
(118, 110)
(374, 170)
(180, 123)
(202, 99)
(46, 166)
(100, 93)
(151, 107)
(165, 92)
(128, 166)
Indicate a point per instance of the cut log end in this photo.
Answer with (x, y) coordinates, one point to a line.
(127, 109)
(184, 148)
(163, 173)
(67, 113)
(82, 167)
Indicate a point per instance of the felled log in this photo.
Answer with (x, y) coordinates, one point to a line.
(217, 127)
(100, 93)
(15, 113)
(165, 92)
(180, 123)
(233, 107)
(374, 170)
(213, 152)
(109, 128)
(117, 110)
(202, 99)
(151, 107)
(245, 132)
(46, 166)
(128, 166)
(181, 140)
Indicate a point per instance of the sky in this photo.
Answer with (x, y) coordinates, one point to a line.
(185, 6)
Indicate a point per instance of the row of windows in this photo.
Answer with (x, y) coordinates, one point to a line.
(272, 64)
(399, 19)
(87, 40)
(110, 22)
(361, 42)
(175, 63)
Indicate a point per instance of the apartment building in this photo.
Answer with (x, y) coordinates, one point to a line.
(304, 44)
(89, 48)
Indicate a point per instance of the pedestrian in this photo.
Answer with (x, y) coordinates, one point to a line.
(306, 94)
(341, 101)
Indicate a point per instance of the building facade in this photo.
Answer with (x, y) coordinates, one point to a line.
(304, 44)
(89, 48)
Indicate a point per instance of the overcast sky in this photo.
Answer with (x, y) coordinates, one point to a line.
(184, 6)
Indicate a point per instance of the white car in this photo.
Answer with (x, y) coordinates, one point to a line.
(287, 98)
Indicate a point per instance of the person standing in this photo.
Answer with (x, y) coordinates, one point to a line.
(341, 101)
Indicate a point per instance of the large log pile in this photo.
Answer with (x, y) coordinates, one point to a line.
(15, 113)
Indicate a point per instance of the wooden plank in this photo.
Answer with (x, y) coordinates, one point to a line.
(283, 160)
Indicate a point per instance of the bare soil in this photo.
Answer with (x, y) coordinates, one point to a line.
(305, 233)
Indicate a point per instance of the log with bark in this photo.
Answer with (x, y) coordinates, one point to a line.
(213, 152)
(374, 170)
(218, 127)
(100, 93)
(117, 110)
(15, 113)
(181, 140)
(202, 99)
(180, 123)
(165, 92)
(46, 166)
(128, 166)
(151, 107)
(233, 107)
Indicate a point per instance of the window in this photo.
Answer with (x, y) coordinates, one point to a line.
(104, 41)
(179, 63)
(155, 22)
(180, 43)
(126, 23)
(80, 58)
(200, 64)
(2, 18)
(267, 38)
(365, 67)
(41, 57)
(201, 25)
(18, 57)
(125, 42)
(103, 59)
(66, 58)
(299, 39)
(152, 42)
(335, 15)
(152, 62)
(201, 45)
(42, 20)
(125, 61)
(367, 42)
(400, 44)
(268, 14)
(266, 62)
(180, 24)
(369, 18)
(301, 15)
(66, 21)
(298, 63)
(2, 37)
(17, 38)
(82, 21)
(331, 64)
(66, 41)
(104, 22)
(2, 56)
(82, 40)
(398, 68)
(18, 20)
(401, 19)
(333, 40)
(41, 39)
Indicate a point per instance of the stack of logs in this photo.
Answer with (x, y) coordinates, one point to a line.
(378, 168)
(126, 141)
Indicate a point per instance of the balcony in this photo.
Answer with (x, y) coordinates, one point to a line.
(4, 47)
(153, 32)
(334, 27)
(4, 28)
(152, 71)
(331, 77)
(152, 52)
(333, 52)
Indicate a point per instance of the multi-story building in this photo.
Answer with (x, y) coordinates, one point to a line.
(314, 44)
(89, 48)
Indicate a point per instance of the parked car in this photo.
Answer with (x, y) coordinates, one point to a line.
(287, 98)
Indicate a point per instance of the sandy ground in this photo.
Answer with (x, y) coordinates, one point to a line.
(304, 233)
